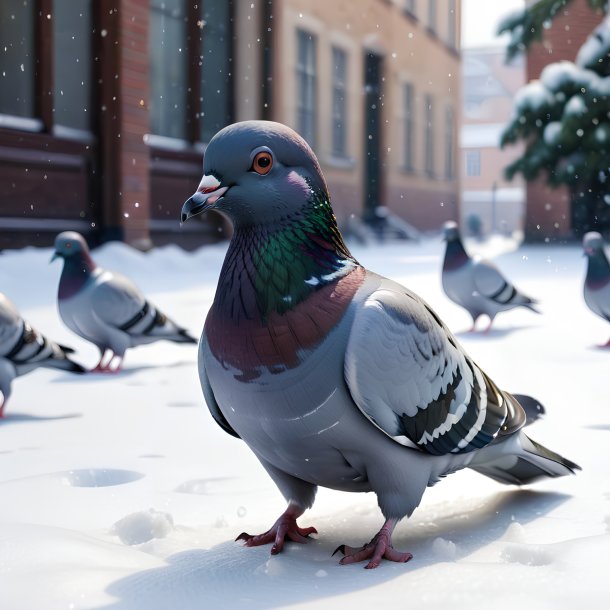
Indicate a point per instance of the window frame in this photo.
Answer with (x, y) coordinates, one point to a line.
(472, 163)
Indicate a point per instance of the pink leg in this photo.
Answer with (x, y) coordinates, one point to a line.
(491, 321)
(285, 528)
(117, 367)
(102, 368)
(607, 344)
(380, 547)
(2, 408)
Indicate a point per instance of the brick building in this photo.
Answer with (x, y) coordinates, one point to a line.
(106, 106)
(548, 210)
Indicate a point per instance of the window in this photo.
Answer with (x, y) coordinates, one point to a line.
(168, 68)
(216, 51)
(409, 134)
(411, 7)
(449, 143)
(339, 109)
(72, 63)
(473, 163)
(451, 34)
(306, 86)
(429, 135)
(432, 15)
(17, 62)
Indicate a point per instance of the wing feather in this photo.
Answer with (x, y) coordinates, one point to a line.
(410, 377)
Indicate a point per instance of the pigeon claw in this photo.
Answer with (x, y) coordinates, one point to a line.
(380, 547)
(284, 529)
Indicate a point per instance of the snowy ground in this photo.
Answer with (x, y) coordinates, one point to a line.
(120, 492)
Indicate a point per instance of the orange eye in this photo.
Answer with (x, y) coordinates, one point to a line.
(262, 163)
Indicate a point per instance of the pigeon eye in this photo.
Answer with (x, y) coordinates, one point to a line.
(262, 163)
(68, 245)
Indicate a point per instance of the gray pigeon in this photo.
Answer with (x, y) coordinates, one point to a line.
(476, 284)
(597, 280)
(23, 349)
(333, 375)
(105, 307)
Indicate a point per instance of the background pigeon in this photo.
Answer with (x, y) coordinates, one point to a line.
(105, 307)
(333, 375)
(23, 349)
(476, 284)
(597, 280)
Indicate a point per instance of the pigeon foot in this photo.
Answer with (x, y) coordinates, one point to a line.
(380, 547)
(285, 528)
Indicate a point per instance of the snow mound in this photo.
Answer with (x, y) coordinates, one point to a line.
(143, 526)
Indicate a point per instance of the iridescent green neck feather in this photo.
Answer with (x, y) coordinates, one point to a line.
(274, 267)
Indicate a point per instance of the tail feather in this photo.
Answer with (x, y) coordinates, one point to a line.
(531, 305)
(518, 460)
(64, 364)
(66, 349)
(533, 409)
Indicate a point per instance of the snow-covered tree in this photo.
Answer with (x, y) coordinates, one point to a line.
(564, 119)
(528, 24)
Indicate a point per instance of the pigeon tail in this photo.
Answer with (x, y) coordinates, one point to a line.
(519, 460)
(531, 305)
(185, 337)
(64, 364)
(533, 409)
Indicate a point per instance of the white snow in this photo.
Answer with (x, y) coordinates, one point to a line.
(532, 98)
(120, 492)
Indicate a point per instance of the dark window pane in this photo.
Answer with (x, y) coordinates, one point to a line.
(449, 143)
(306, 86)
(339, 108)
(72, 63)
(17, 57)
(409, 131)
(429, 135)
(168, 68)
(216, 66)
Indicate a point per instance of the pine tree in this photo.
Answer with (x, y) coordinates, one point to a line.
(564, 118)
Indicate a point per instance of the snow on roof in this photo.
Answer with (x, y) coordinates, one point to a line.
(481, 136)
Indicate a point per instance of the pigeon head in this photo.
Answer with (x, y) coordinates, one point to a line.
(451, 231)
(592, 243)
(257, 172)
(70, 244)
(78, 264)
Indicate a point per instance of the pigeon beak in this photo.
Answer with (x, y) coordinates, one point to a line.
(208, 193)
(55, 256)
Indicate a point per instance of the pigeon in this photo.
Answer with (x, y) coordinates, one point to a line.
(333, 375)
(23, 349)
(476, 284)
(105, 307)
(597, 280)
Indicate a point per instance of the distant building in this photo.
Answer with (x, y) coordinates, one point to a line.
(488, 88)
(549, 210)
(105, 108)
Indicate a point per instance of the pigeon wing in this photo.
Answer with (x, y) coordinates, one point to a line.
(491, 284)
(409, 376)
(116, 300)
(208, 393)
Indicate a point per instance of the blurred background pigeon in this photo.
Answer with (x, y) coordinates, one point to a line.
(597, 280)
(23, 349)
(476, 284)
(105, 307)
